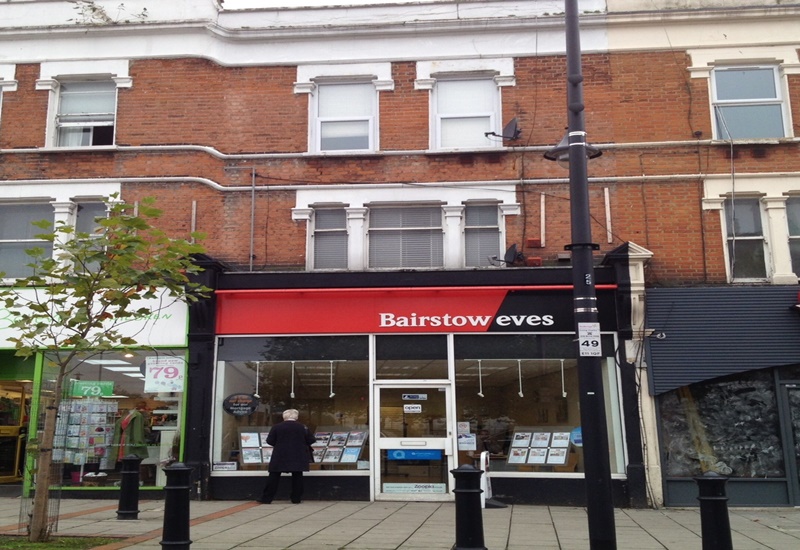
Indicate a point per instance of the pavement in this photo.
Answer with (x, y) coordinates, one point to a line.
(329, 525)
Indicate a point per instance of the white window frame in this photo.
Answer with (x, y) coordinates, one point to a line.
(719, 105)
(31, 241)
(53, 74)
(317, 231)
(86, 122)
(441, 116)
(377, 260)
(370, 118)
(358, 200)
(432, 73)
(473, 233)
(312, 78)
(793, 205)
(731, 238)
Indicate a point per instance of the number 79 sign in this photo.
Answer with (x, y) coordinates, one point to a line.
(164, 374)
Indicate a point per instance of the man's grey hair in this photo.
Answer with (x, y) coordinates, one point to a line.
(291, 414)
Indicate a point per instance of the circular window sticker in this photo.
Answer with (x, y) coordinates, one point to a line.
(240, 404)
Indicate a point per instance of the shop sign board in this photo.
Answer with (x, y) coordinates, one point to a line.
(386, 310)
(415, 397)
(165, 326)
(411, 409)
(414, 454)
(164, 374)
(91, 388)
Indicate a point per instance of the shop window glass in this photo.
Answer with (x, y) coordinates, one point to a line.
(728, 426)
(793, 214)
(18, 234)
(115, 405)
(406, 237)
(745, 238)
(330, 239)
(748, 103)
(417, 357)
(519, 396)
(325, 378)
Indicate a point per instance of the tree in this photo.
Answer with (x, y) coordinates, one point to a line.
(78, 298)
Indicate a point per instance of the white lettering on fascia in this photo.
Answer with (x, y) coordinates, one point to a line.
(447, 320)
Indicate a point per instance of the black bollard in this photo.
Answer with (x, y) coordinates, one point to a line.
(715, 524)
(129, 488)
(469, 517)
(176, 507)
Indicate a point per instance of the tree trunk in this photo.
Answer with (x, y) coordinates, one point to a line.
(39, 522)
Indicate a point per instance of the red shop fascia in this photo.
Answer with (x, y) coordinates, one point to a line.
(250, 304)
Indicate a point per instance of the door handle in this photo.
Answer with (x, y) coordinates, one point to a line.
(413, 443)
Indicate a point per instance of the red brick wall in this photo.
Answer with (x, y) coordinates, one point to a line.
(631, 98)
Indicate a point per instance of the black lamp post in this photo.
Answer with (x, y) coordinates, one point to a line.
(594, 429)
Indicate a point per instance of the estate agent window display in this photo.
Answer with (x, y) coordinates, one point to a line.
(325, 378)
(517, 399)
(512, 392)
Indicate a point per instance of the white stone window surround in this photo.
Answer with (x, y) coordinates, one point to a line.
(8, 81)
(357, 199)
(52, 72)
(785, 58)
(500, 69)
(309, 77)
(773, 190)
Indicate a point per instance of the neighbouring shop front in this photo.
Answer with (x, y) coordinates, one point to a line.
(404, 377)
(115, 403)
(725, 370)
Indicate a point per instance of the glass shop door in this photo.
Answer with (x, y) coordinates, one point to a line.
(414, 451)
(14, 403)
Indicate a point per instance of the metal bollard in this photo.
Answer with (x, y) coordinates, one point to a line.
(715, 524)
(129, 488)
(176, 507)
(469, 518)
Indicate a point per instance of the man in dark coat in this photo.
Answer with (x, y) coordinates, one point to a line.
(290, 442)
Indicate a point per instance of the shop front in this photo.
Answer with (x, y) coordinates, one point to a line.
(115, 403)
(725, 370)
(402, 384)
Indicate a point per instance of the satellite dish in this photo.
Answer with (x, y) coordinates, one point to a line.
(511, 131)
(511, 254)
(512, 257)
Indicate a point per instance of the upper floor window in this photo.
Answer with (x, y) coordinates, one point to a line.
(18, 234)
(409, 236)
(745, 238)
(86, 113)
(343, 104)
(481, 234)
(748, 103)
(465, 111)
(420, 227)
(330, 239)
(346, 117)
(793, 215)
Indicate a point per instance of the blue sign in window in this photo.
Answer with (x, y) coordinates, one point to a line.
(414, 454)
